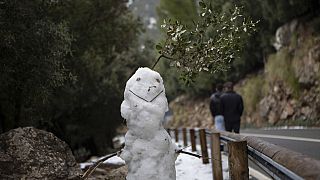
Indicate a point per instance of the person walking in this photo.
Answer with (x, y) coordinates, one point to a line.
(232, 106)
(216, 108)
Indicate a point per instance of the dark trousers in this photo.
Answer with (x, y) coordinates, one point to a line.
(232, 126)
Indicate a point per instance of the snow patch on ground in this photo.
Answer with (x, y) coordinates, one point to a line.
(188, 167)
(191, 168)
(115, 160)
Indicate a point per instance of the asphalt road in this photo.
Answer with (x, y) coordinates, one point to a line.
(305, 141)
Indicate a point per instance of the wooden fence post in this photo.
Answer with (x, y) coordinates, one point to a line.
(203, 143)
(184, 135)
(238, 160)
(216, 157)
(193, 140)
(176, 134)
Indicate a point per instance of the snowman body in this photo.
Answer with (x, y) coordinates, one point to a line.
(149, 151)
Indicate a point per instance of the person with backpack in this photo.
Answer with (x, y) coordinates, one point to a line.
(232, 105)
(216, 108)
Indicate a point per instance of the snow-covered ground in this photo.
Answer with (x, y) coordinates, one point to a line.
(190, 167)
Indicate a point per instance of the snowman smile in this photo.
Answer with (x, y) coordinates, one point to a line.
(144, 98)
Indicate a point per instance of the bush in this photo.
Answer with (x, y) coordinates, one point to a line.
(252, 92)
(279, 68)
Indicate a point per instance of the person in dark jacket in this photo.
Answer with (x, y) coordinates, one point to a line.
(216, 108)
(232, 105)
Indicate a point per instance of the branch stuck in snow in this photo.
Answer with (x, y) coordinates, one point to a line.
(189, 153)
(96, 164)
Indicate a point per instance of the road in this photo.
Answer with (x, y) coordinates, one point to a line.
(305, 141)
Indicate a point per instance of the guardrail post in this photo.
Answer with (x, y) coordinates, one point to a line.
(176, 134)
(216, 157)
(203, 143)
(193, 140)
(238, 160)
(184, 135)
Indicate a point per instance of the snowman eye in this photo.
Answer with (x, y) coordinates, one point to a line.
(158, 80)
(138, 79)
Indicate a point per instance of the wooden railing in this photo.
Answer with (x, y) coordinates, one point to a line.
(276, 161)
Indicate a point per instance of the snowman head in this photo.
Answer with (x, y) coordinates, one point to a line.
(146, 86)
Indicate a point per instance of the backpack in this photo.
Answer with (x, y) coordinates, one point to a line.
(215, 104)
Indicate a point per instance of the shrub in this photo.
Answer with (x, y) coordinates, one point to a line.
(252, 92)
(279, 68)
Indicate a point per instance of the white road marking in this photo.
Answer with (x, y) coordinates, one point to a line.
(282, 137)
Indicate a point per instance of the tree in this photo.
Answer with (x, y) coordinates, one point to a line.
(171, 9)
(105, 53)
(64, 65)
(33, 54)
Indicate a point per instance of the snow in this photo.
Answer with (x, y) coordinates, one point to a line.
(149, 151)
(188, 167)
(191, 168)
(115, 160)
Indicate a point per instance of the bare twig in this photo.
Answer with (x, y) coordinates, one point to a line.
(161, 56)
(189, 153)
(195, 155)
(96, 164)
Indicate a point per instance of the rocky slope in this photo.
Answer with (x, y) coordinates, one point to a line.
(190, 112)
(286, 92)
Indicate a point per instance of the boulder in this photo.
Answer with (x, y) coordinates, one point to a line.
(287, 111)
(264, 107)
(284, 34)
(30, 153)
(119, 173)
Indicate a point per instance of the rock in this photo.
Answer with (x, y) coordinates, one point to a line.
(114, 174)
(306, 110)
(30, 153)
(287, 111)
(307, 66)
(284, 33)
(273, 118)
(264, 107)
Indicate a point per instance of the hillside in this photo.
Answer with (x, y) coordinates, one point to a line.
(285, 92)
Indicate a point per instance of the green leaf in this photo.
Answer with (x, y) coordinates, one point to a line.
(202, 4)
(158, 47)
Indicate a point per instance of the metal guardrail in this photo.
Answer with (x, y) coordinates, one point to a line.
(272, 168)
(270, 158)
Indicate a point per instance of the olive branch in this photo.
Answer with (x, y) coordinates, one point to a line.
(210, 45)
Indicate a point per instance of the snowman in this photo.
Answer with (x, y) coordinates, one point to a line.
(149, 151)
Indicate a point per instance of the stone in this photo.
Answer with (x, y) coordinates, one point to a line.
(306, 110)
(30, 153)
(284, 34)
(264, 107)
(273, 118)
(287, 111)
(114, 174)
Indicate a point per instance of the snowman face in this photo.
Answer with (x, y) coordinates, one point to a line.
(145, 84)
